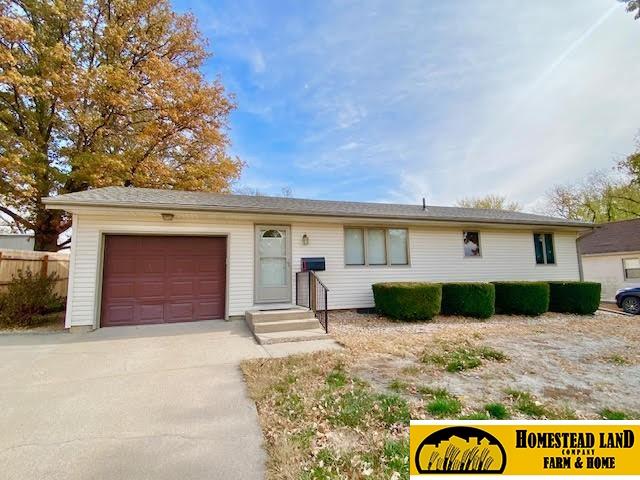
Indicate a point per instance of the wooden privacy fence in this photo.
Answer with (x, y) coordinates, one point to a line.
(45, 263)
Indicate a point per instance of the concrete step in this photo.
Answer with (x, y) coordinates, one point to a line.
(292, 336)
(285, 325)
(260, 316)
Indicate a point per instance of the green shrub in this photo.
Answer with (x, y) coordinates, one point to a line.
(522, 298)
(408, 301)
(29, 300)
(468, 299)
(574, 297)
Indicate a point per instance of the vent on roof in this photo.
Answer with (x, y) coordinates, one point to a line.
(424, 204)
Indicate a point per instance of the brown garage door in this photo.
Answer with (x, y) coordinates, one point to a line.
(153, 279)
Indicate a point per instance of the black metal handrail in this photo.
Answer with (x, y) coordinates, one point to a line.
(313, 294)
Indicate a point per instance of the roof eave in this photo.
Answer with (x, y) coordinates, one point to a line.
(54, 203)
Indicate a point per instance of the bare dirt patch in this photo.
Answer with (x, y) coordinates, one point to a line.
(51, 323)
(344, 414)
(586, 363)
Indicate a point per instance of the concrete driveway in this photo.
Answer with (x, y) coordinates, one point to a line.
(156, 402)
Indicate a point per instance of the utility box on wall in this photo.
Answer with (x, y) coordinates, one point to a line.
(316, 264)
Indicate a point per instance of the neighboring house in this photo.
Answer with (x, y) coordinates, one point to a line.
(16, 241)
(611, 256)
(153, 256)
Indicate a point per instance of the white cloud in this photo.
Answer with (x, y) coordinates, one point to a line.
(493, 117)
(452, 99)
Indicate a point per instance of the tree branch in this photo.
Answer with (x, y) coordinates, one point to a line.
(65, 243)
(628, 199)
(629, 212)
(17, 218)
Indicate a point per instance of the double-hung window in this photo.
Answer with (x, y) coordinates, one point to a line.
(376, 246)
(631, 268)
(543, 244)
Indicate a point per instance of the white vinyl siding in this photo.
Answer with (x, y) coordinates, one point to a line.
(434, 255)
(608, 270)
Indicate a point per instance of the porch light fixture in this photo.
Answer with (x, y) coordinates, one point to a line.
(305, 239)
(167, 217)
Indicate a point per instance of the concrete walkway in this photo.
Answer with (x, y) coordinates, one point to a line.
(151, 402)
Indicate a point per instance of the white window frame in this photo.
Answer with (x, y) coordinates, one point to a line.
(544, 250)
(624, 270)
(365, 240)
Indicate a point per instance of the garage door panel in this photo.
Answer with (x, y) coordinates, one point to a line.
(210, 286)
(163, 279)
(154, 245)
(121, 265)
(211, 265)
(151, 313)
(207, 310)
(120, 290)
(181, 312)
(183, 265)
(121, 314)
(181, 288)
(148, 264)
(125, 245)
(149, 289)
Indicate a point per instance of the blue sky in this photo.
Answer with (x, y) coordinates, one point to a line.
(392, 101)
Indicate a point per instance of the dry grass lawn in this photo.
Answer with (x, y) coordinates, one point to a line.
(344, 414)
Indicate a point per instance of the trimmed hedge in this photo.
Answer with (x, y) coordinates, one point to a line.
(408, 300)
(522, 298)
(468, 299)
(574, 297)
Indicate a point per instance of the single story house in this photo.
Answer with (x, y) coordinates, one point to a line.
(611, 255)
(153, 256)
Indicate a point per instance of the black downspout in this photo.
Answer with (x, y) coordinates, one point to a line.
(580, 271)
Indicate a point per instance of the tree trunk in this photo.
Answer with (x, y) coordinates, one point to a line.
(46, 231)
(46, 241)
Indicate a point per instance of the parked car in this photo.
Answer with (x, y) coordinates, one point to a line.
(628, 299)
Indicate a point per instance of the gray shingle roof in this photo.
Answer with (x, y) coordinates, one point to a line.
(175, 199)
(623, 236)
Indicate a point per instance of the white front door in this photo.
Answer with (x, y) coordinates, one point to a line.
(272, 264)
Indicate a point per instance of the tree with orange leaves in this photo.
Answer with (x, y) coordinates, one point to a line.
(104, 92)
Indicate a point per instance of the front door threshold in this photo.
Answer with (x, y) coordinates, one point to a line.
(265, 307)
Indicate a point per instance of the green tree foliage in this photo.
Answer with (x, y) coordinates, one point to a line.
(492, 202)
(630, 166)
(104, 92)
